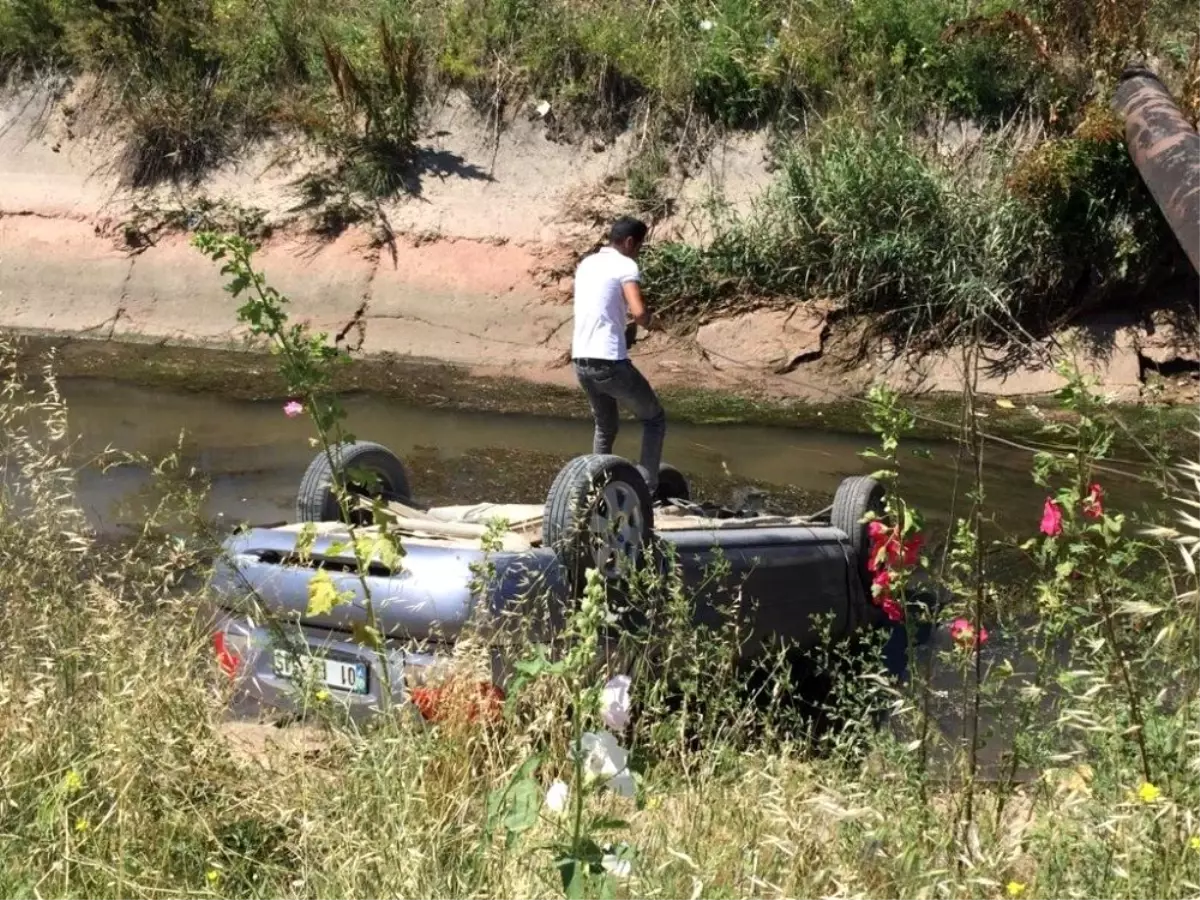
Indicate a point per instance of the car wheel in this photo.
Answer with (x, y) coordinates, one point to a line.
(856, 497)
(672, 485)
(599, 515)
(370, 470)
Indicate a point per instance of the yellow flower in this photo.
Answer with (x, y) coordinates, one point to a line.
(72, 782)
(1148, 793)
(213, 876)
(322, 695)
(82, 825)
(1015, 888)
(1194, 842)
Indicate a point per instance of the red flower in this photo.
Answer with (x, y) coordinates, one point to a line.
(1093, 503)
(888, 549)
(892, 609)
(912, 550)
(963, 634)
(881, 541)
(882, 581)
(1051, 518)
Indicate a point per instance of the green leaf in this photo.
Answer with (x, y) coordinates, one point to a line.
(572, 874)
(1064, 568)
(390, 553)
(305, 541)
(502, 802)
(525, 800)
(367, 636)
(515, 685)
(539, 665)
(322, 595)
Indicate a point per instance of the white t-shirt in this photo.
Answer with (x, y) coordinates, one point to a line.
(600, 308)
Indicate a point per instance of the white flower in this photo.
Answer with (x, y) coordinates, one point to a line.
(615, 866)
(623, 784)
(604, 758)
(556, 797)
(543, 108)
(707, 25)
(614, 703)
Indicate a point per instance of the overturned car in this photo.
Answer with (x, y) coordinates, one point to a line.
(794, 578)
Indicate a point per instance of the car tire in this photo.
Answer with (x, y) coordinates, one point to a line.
(316, 500)
(855, 497)
(588, 492)
(672, 485)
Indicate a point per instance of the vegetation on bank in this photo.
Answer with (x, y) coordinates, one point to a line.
(1039, 214)
(816, 776)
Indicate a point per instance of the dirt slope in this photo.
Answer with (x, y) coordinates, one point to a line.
(474, 269)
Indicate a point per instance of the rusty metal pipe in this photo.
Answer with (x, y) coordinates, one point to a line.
(1166, 151)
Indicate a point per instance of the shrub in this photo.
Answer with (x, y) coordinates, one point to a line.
(186, 109)
(31, 35)
(992, 68)
(867, 217)
(380, 94)
(1104, 235)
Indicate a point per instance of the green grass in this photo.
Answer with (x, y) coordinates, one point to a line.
(197, 76)
(930, 250)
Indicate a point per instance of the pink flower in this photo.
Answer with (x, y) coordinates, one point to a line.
(1093, 503)
(912, 550)
(880, 536)
(888, 549)
(881, 595)
(882, 582)
(1051, 518)
(963, 634)
(892, 609)
(293, 408)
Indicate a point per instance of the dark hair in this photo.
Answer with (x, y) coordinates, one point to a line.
(628, 227)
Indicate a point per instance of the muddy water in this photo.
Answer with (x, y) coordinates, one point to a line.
(254, 456)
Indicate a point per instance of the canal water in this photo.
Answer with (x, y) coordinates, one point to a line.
(253, 456)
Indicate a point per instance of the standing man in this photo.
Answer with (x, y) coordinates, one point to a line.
(607, 289)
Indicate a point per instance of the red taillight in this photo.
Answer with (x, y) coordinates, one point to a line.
(432, 701)
(426, 700)
(226, 659)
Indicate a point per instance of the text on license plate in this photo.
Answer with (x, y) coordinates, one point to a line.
(335, 673)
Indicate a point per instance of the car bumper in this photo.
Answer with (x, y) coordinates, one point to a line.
(267, 667)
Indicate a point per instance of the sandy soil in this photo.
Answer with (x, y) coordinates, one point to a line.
(476, 272)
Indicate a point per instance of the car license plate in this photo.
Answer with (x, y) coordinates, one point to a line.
(338, 674)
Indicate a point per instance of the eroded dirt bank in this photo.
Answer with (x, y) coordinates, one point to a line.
(472, 270)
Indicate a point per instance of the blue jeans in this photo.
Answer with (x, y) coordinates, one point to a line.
(610, 384)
